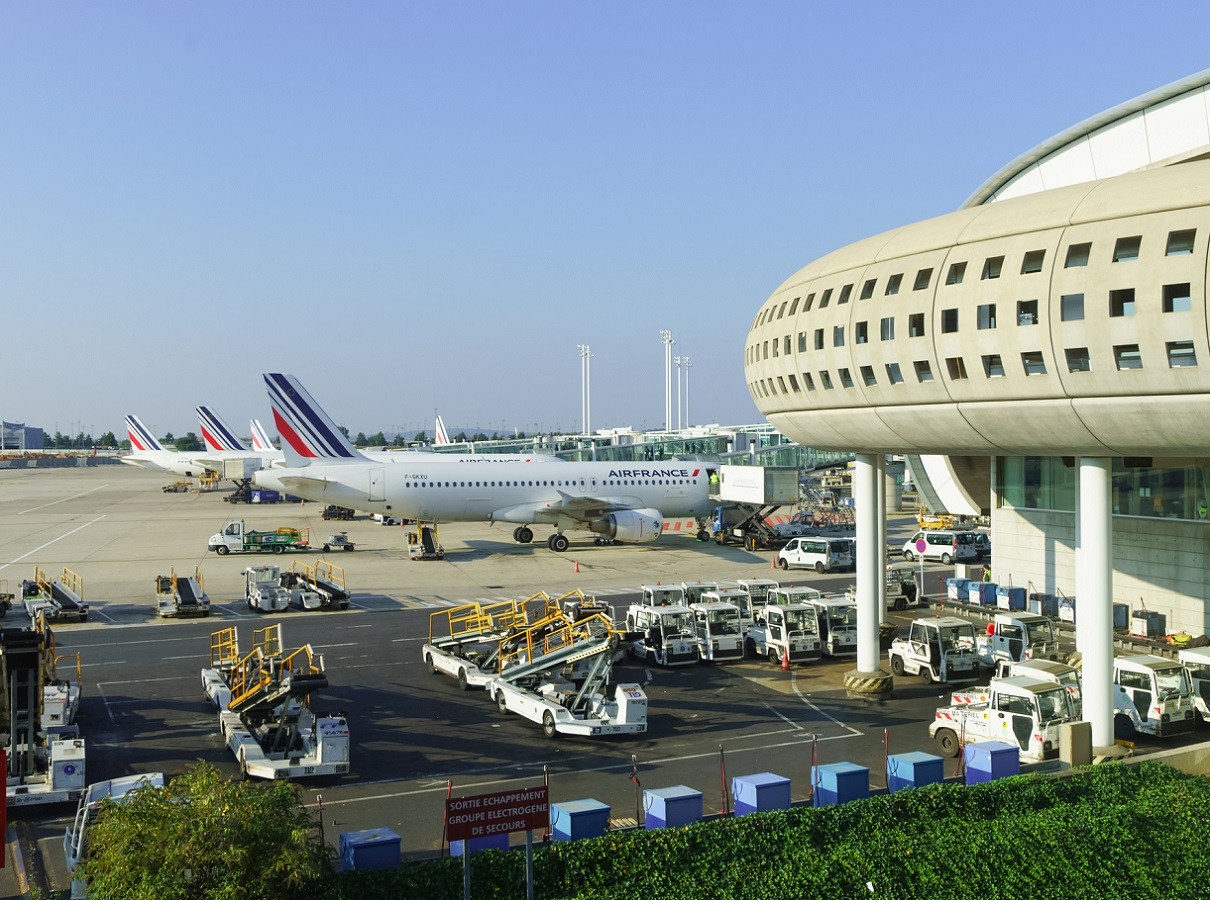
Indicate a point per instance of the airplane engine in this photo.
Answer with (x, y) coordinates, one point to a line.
(631, 525)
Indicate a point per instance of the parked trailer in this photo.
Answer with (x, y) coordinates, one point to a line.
(56, 601)
(1024, 712)
(178, 596)
(75, 838)
(263, 701)
(464, 640)
(236, 538)
(321, 586)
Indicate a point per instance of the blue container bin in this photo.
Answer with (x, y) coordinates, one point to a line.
(376, 848)
(989, 760)
(474, 845)
(759, 793)
(672, 807)
(1010, 598)
(1121, 616)
(957, 589)
(575, 820)
(982, 593)
(915, 769)
(839, 783)
(1044, 605)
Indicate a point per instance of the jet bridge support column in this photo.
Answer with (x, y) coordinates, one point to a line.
(868, 681)
(1094, 598)
(880, 480)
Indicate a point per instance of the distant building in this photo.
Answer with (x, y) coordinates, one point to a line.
(19, 436)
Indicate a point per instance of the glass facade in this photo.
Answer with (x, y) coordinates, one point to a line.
(1162, 492)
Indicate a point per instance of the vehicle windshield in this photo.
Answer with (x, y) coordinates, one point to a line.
(665, 597)
(1172, 681)
(723, 621)
(677, 623)
(1037, 632)
(1070, 679)
(801, 621)
(840, 618)
(958, 637)
(1053, 704)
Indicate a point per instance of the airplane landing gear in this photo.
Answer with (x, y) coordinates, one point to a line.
(523, 534)
(558, 543)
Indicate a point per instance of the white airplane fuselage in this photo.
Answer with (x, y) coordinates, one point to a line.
(499, 492)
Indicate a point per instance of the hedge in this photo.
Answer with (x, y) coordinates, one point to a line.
(1111, 830)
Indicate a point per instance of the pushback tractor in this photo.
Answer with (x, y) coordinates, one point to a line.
(264, 707)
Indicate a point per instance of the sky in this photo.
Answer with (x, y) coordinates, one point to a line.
(420, 206)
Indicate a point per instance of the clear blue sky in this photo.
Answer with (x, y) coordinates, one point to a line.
(430, 205)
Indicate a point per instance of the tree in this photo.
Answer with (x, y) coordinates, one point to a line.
(205, 836)
(187, 444)
(109, 439)
(461, 438)
(168, 439)
(421, 438)
(377, 440)
(360, 440)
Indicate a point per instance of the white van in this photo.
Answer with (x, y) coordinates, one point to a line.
(946, 546)
(819, 553)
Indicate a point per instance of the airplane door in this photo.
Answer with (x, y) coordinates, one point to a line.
(377, 477)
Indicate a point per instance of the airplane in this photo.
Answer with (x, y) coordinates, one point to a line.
(260, 437)
(622, 501)
(441, 437)
(225, 445)
(148, 453)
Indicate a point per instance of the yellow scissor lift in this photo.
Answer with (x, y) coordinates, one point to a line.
(264, 699)
(556, 671)
(464, 640)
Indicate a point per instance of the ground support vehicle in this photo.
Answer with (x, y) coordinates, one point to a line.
(339, 541)
(720, 635)
(177, 487)
(758, 591)
(837, 625)
(785, 595)
(1151, 695)
(693, 590)
(1017, 637)
(944, 546)
(75, 838)
(382, 519)
(1045, 670)
(321, 586)
(666, 635)
(788, 631)
(464, 640)
(749, 495)
(900, 589)
(44, 751)
(263, 701)
(263, 589)
(57, 601)
(236, 538)
(1021, 711)
(425, 543)
(332, 511)
(556, 672)
(823, 554)
(737, 597)
(177, 596)
(1196, 661)
(938, 649)
(6, 598)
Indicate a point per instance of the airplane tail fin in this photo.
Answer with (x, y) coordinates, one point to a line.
(216, 433)
(140, 435)
(440, 436)
(306, 431)
(260, 437)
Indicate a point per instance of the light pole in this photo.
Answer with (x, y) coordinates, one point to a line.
(680, 422)
(688, 364)
(666, 337)
(585, 387)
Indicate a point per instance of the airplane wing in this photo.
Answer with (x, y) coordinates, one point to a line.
(303, 481)
(579, 507)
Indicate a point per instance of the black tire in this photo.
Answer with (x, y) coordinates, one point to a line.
(947, 742)
(773, 657)
(946, 559)
(900, 604)
(222, 550)
(897, 665)
(703, 535)
(926, 674)
(462, 682)
(819, 568)
(428, 661)
(784, 563)
(908, 555)
(525, 534)
(517, 534)
(279, 548)
(750, 648)
(559, 543)
(348, 547)
(1123, 728)
(548, 724)
(501, 702)
(326, 549)
(205, 614)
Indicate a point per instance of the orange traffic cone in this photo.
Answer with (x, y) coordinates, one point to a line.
(577, 566)
(773, 562)
(785, 659)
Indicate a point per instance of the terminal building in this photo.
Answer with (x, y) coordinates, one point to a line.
(1041, 353)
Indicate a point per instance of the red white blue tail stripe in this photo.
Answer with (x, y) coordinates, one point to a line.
(216, 433)
(141, 437)
(302, 424)
(260, 438)
(441, 437)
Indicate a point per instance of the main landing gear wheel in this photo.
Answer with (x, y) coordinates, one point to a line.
(522, 534)
(558, 543)
(548, 724)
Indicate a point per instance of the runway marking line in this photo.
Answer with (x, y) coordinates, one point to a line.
(63, 500)
(48, 543)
